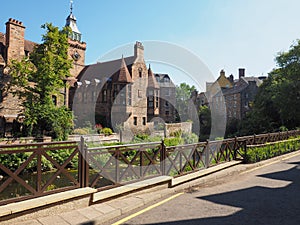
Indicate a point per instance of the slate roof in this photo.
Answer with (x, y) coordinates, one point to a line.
(239, 85)
(106, 70)
(161, 82)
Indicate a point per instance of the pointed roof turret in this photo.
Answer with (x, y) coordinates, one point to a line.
(71, 22)
(152, 82)
(124, 75)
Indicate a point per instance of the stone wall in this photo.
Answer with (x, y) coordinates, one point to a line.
(96, 138)
(185, 127)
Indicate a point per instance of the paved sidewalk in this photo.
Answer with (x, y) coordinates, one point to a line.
(103, 212)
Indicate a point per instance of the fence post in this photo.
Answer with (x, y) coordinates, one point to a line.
(207, 154)
(245, 159)
(141, 163)
(83, 167)
(235, 148)
(163, 158)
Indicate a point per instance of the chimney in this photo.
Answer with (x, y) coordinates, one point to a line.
(241, 72)
(222, 73)
(15, 32)
(231, 78)
(139, 50)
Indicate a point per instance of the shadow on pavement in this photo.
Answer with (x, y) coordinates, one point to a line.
(260, 205)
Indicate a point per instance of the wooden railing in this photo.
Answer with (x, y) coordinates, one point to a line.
(26, 177)
(38, 169)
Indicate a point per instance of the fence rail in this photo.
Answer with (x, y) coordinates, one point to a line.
(45, 168)
(25, 175)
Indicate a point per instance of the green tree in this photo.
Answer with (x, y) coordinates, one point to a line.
(205, 122)
(183, 95)
(36, 79)
(278, 100)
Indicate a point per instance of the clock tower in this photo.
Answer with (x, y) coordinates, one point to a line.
(77, 47)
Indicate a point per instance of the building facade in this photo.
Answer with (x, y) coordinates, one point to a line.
(119, 93)
(123, 93)
(237, 97)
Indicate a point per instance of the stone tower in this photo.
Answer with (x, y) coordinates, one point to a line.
(76, 47)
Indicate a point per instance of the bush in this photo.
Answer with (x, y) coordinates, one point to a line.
(140, 138)
(190, 138)
(106, 131)
(81, 131)
(174, 141)
(261, 152)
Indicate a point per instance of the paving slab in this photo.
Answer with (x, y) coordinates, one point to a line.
(127, 204)
(53, 220)
(31, 222)
(89, 212)
(74, 217)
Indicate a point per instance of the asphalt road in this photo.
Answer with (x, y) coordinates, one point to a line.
(268, 195)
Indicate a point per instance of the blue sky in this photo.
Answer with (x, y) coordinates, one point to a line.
(224, 34)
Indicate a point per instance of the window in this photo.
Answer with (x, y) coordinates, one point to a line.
(166, 104)
(144, 121)
(157, 78)
(139, 93)
(94, 96)
(129, 94)
(140, 72)
(167, 92)
(150, 104)
(135, 120)
(104, 96)
(151, 93)
(167, 113)
(166, 79)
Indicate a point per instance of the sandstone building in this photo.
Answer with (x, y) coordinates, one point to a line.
(123, 92)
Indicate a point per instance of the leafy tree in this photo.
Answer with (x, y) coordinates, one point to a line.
(36, 79)
(277, 103)
(183, 96)
(205, 122)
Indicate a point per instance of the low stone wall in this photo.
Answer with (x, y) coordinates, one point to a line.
(185, 127)
(96, 138)
(23, 140)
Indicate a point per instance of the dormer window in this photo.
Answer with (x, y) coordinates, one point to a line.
(157, 78)
(166, 79)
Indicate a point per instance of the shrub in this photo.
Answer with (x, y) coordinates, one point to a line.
(173, 141)
(177, 133)
(80, 131)
(261, 152)
(190, 138)
(106, 131)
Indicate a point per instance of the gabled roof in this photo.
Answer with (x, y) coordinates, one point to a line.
(151, 79)
(124, 75)
(105, 70)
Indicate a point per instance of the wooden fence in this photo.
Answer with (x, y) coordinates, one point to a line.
(33, 170)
